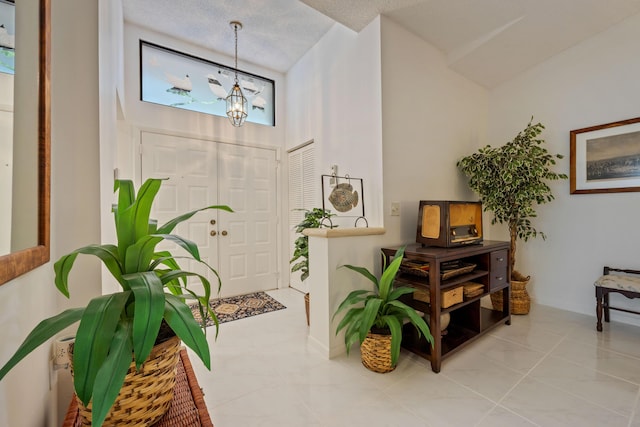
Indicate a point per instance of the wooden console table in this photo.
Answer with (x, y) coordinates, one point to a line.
(188, 408)
(468, 319)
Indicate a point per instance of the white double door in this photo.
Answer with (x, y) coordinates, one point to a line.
(241, 246)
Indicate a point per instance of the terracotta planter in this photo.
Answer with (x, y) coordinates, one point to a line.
(146, 394)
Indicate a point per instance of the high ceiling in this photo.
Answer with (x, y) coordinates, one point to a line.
(488, 41)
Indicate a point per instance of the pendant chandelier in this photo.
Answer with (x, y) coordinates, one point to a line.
(236, 102)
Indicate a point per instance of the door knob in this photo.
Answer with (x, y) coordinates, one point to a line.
(213, 232)
(212, 222)
(224, 233)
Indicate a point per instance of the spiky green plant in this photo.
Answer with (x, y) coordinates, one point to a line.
(379, 309)
(118, 328)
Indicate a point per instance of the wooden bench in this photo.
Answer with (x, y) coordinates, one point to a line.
(625, 282)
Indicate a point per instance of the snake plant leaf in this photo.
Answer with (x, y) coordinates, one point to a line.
(126, 193)
(93, 339)
(111, 375)
(108, 254)
(369, 315)
(389, 274)
(180, 319)
(416, 319)
(395, 326)
(346, 320)
(354, 297)
(139, 255)
(42, 332)
(149, 308)
(363, 271)
(142, 206)
(185, 244)
(399, 291)
(170, 225)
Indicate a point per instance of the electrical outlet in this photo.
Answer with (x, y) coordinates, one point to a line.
(395, 208)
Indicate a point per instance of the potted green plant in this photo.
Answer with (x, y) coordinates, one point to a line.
(511, 181)
(121, 329)
(375, 318)
(313, 218)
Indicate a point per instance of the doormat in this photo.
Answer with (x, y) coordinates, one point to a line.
(239, 307)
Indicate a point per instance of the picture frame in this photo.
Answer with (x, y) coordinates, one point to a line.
(343, 196)
(7, 36)
(180, 80)
(606, 158)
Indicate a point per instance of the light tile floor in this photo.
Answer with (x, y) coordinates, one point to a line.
(548, 368)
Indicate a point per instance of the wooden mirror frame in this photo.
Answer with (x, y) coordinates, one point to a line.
(20, 262)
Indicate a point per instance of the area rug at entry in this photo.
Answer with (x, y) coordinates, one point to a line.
(239, 307)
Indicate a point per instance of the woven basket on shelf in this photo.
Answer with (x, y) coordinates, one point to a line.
(519, 299)
(146, 394)
(375, 352)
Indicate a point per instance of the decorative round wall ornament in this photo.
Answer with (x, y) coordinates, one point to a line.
(343, 198)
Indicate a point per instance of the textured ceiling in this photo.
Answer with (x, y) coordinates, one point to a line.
(488, 41)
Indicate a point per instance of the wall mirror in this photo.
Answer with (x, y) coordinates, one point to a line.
(25, 135)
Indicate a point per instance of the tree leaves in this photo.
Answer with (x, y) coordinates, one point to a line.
(511, 180)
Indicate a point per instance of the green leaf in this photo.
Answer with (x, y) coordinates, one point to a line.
(42, 332)
(93, 340)
(186, 244)
(369, 316)
(111, 375)
(148, 293)
(108, 254)
(349, 318)
(395, 326)
(389, 274)
(363, 271)
(354, 297)
(180, 319)
(139, 255)
(142, 206)
(169, 226)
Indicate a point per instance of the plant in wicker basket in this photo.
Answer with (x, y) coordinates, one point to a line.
(119, 332)
(511, 180)
(375, 318)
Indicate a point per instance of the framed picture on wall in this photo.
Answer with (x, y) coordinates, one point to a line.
(7, 37)
(606, 158)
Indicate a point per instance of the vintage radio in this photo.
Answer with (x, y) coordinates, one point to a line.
(449, 223)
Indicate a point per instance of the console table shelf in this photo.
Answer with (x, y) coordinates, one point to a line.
(468, 319)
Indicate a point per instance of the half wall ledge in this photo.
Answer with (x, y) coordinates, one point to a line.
(343, 232)
(328, 284)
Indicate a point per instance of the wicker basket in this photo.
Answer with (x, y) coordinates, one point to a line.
(306, 306)
(519, 299)
(375, 352)
(146, 394)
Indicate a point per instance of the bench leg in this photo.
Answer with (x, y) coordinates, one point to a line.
(599, 308)
(605, 305)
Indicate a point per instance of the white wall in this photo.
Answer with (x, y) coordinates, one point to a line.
(593, 83)
(144, 115)
(432, 116)
(25, 395)
(333, 97)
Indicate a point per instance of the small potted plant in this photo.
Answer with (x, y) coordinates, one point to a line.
(146, 319)
(375, 318)
(511, 181)
(314, 218)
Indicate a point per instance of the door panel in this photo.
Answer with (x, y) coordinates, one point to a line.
(241, 246)
(248, 186)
